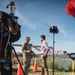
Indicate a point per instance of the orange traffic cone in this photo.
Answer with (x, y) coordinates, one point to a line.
(35, 68)
(19, 72)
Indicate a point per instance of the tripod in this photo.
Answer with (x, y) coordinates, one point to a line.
(18, 59)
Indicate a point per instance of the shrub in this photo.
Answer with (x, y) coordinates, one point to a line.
(70, 67)
(56, 65)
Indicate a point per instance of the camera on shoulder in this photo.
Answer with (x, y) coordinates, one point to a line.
(5, 16)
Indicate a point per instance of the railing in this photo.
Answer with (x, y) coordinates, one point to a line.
(21, 45)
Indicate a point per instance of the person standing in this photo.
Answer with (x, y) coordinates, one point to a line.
(26, 49)
(43, 51)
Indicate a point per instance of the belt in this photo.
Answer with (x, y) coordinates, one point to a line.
(42, 54)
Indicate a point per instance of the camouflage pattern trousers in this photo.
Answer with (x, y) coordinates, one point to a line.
(26, 63)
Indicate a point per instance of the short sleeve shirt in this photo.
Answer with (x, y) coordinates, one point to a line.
(26, 47)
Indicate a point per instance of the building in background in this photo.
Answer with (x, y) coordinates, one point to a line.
(57, 52)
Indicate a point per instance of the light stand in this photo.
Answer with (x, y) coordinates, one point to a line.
(53, 30)
(53, 50)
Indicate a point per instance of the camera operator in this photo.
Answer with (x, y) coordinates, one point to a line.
(10, 34)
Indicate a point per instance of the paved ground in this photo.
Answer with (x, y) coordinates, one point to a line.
(56, 73)
(50, 72)
(39, 73)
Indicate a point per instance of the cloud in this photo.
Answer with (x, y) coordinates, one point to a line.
(62, 30)
(25, 21)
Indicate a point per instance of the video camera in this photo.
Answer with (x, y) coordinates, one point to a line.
(5, 16)
(6, 39)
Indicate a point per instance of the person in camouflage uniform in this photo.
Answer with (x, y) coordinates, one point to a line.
(26, 48)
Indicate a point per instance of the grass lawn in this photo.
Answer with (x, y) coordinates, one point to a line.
(57, 64)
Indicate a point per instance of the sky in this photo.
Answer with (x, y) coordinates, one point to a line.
(37, 16)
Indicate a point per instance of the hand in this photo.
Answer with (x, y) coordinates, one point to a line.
(11, 26)
(34, 46)
(44, 56)
(28, 51)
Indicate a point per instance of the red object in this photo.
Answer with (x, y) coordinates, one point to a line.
(19, 72)
(70, 8)
(35, 68)
(72, 2)
(12, 55)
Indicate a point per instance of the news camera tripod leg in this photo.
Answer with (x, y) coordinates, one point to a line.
(1, 33)
(72, 67)
(19, 61)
